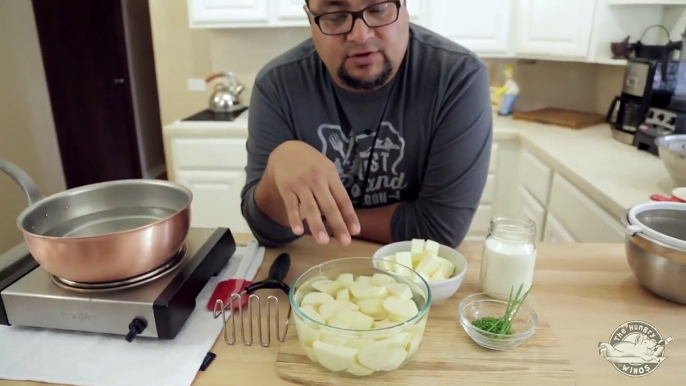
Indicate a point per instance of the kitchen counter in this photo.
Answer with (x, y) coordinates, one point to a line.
(615, 175)
(584, 291)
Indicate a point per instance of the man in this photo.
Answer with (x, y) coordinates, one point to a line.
(374, 128)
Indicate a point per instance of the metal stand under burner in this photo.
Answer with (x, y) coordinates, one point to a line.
(131, 282)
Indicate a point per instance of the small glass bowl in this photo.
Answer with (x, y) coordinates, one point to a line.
(480, 305)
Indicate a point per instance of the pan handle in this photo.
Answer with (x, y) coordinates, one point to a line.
(33, 194)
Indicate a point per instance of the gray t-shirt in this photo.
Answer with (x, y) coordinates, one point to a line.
(432, 148)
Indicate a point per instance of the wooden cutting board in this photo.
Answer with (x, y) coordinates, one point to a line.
(561, 117)
(446, 356)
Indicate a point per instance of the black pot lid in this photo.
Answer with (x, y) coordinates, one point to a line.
(662, 221)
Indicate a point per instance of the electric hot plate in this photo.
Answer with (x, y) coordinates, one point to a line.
(156, 304)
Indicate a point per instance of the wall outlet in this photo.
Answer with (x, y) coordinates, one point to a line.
(197, 85)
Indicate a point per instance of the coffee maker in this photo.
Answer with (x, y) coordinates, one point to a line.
(649, 83)
(671, 118)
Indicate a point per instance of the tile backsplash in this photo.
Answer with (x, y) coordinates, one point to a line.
(581, 86)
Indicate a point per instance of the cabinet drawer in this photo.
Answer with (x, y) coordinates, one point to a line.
(209, 153)
(535, 176)
(533, 211)
(583, 219)
(555, 232)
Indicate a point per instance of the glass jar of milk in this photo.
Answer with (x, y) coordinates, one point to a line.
(509, 257)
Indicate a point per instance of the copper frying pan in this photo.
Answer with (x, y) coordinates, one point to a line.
(106, 231)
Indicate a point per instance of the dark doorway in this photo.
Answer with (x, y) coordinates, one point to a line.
(89, 76)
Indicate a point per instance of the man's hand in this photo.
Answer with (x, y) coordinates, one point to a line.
(309, 188)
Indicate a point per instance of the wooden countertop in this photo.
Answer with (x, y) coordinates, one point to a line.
(585, 291)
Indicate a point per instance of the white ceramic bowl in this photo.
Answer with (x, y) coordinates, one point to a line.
(440, 290)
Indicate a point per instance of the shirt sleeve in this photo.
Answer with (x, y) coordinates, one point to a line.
(457, 166)
(267, 129)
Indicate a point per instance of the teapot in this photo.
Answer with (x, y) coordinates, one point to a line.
(224, 98)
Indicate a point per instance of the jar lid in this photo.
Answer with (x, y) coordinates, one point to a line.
(662, 221)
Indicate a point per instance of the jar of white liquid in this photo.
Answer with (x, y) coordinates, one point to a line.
(509, 257)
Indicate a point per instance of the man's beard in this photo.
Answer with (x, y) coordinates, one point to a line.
(366, 85)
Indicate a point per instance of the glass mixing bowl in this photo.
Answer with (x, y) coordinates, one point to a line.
(353, 318)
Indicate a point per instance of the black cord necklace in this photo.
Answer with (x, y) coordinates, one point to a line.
(371, 153)
(348, 128)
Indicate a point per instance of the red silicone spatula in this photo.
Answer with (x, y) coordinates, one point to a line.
(227, 288)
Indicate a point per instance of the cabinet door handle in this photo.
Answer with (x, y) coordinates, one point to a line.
(119, 81)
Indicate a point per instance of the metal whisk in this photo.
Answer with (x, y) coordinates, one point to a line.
(237, 302)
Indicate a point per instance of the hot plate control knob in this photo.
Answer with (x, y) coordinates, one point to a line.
(136, 326)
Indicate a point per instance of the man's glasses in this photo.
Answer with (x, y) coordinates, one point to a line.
(374, 16)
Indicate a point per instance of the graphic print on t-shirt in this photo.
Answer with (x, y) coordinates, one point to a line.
(351, 155)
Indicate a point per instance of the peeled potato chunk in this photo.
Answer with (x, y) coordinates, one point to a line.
(403, 258)
(429, 264)
(334, 358)
(401, 291)
(310, 354)
(345, 279)
(352, 320)
(368, 291)
(384, 323)
(373, 308)
(447, 269)
(329, 309)
(358, 343)
(359, 370)
(400, 340)
(327, 286)
(308, 310)
(315, 299)
(387, 263)
(306, 333)
(417, 247)
(381, 356)
(400, 310)
(431, 246)
(334, 339)
(381, 279)
(343, 294)
(413, 346)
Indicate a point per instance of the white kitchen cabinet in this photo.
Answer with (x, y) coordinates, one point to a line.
(482, 26)
(210, 160)
(583, 219)
(216, 198)
(497, 198)
(291, 10)
(554, 28)
(556, 232)
(536, 176)
(416, 10)
(215, 14)
(218, 13)
(579, 30)
(533, 211)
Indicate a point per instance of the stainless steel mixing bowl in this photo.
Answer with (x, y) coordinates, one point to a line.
(672, 151)
(654, 248)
